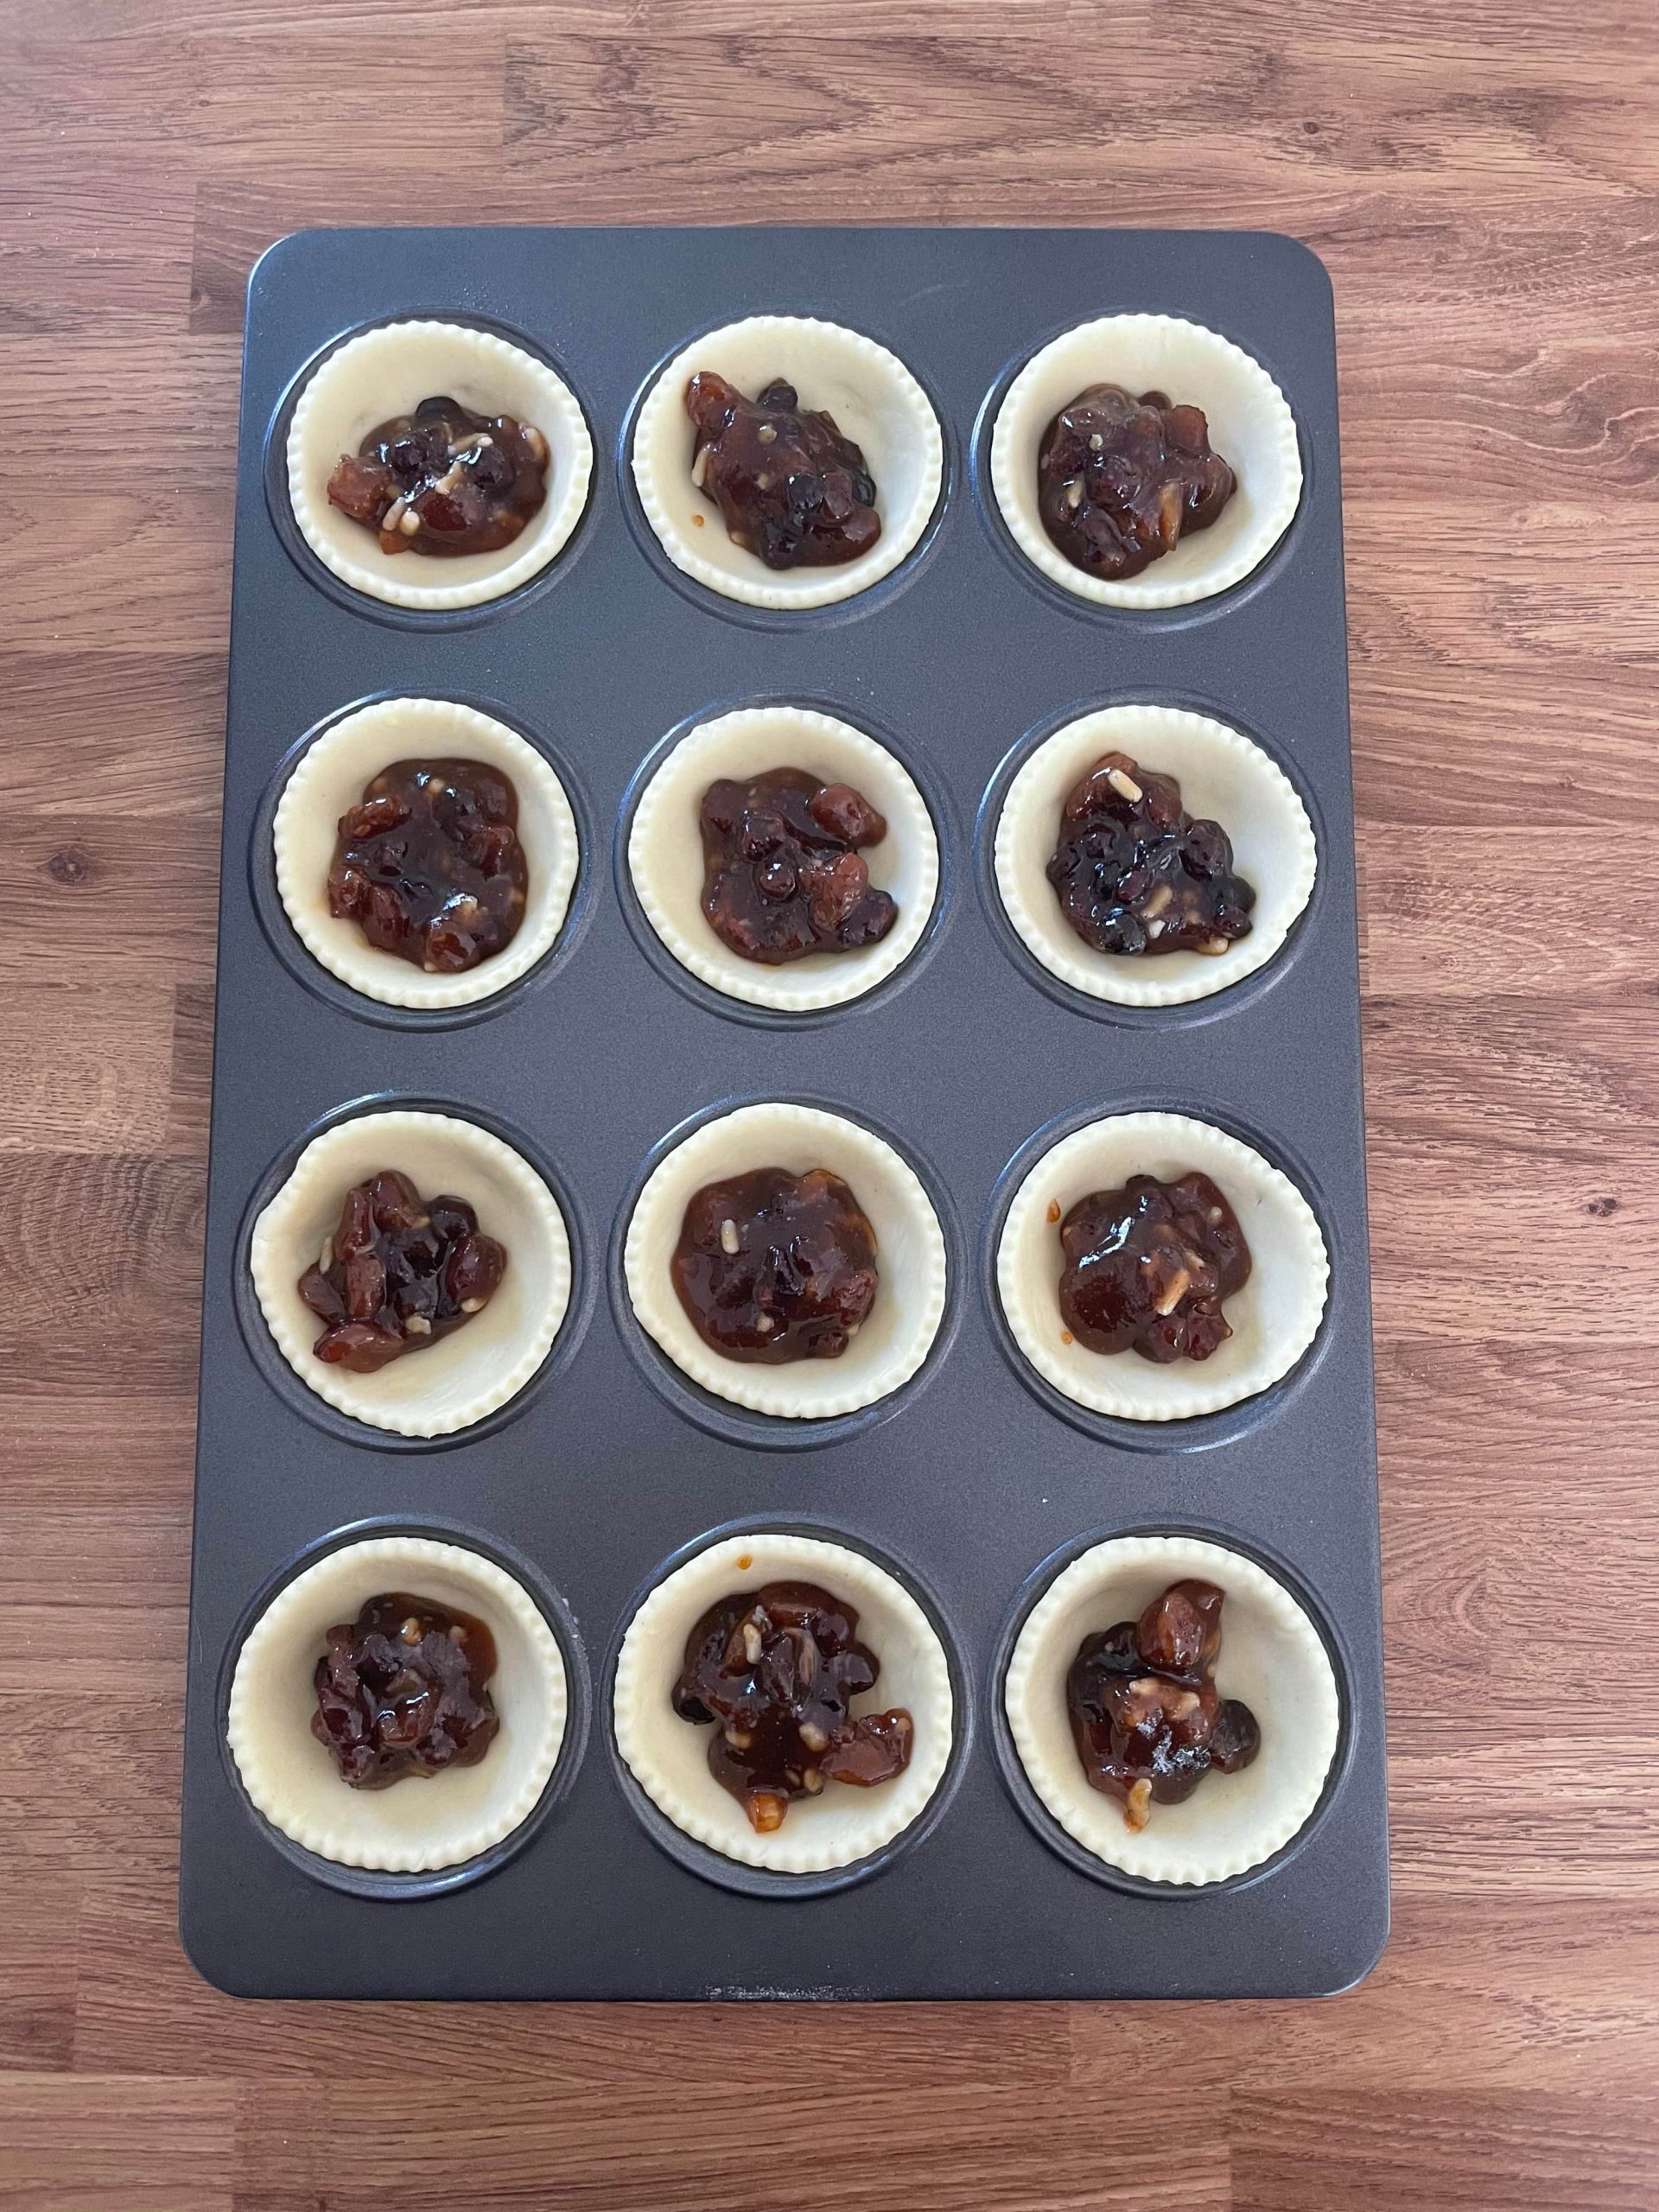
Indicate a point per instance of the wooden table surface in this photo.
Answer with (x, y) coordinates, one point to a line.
(1481, 181)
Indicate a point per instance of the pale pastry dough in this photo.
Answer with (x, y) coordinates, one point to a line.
(910, 1258)
(330, 778)
(449, 1384)
(424, 1821)
(1222, 776)
(388, 371)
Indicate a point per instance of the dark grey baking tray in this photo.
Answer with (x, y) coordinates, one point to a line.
(606, 1468)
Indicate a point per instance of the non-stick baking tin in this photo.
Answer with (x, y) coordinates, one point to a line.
(977, 1484)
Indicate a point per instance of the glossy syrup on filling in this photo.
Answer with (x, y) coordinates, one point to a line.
(398, 1273)
(1148, 1266)
(773, 1266)
(443, 481)
(1146, 1717)
(789, 486)
(1120, 481)
(776, 1670)
(401, 1691)
(783, 871)
(428, 864)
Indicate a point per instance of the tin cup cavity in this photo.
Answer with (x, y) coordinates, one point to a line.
(730, 1137)
(579, 883)
(574, 1313)
(432, 604)
(1251, 425)
(574, 1718)
(875, 387)
(1113, 1574)
(1224, 771)
(659, 830)
(1159, 1431)
(644, 1669)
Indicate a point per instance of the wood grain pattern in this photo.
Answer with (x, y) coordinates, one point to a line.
(1483, 183)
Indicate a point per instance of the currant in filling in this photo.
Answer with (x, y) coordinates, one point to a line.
(1134, 873)
(771, 1267)
(1148, 1266)
(1145, 1716)
(428, 864)
(782, 871)
(788, 486)
(401, 1691)
(398, 1273)
(776, 1670)
(443, 481)
(1121, 480)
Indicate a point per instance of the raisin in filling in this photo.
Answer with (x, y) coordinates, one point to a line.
(1120, 481)
(790, 487)
(776, 1670)
(401, 1691)
(1145, 1714)
(444, 481)
(773, 1266)
(782, 875)
(1148, 1266)
(428, 864)
(397, 1273)
(1134, 873)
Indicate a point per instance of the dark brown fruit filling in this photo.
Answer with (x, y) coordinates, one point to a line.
(1145, 1716)
(1135, 874)
(1120, 481)
(401, 1691)
(782, 875)
(790, 487)
(398, 1273)
(773, 1267)
(776, 1669)
(1148, 1266)
(428, 864)
(444, 481)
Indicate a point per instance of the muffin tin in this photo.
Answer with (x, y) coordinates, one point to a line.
(977, 1482)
